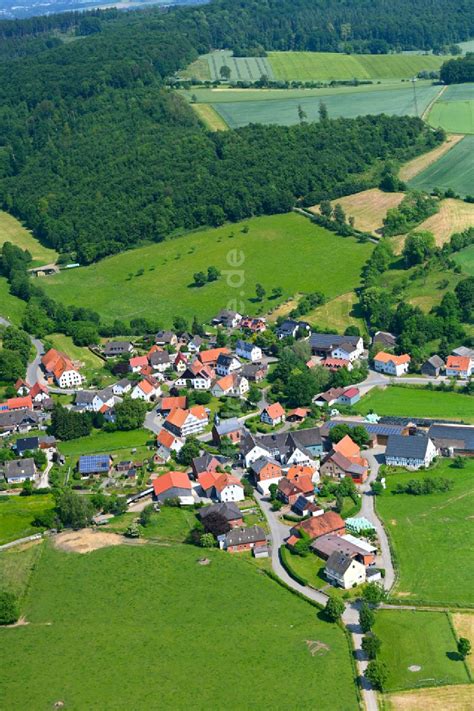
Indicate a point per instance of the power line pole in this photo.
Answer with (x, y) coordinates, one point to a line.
(414, 94)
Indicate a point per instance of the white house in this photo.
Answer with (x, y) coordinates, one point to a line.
(122, 387)
(229, 488)
(392, 364)
(249, 351)
(346, 351)
(411, 452)
(459, 366)
(94, 401)
(227, 364)
(230, 386)
(183, 423)
(273, 414)
(144, 390)
(19, 470)
(344, 571)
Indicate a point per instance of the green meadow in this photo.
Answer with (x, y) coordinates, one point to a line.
(149, 627)
(308, 66)
(17, 514)
(418, 639)
(286, 251)
(403, 401)
(466, 259)
(432, 536)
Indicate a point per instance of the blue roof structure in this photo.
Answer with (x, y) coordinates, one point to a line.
(372, 428)
(360, 523)
(94, 464)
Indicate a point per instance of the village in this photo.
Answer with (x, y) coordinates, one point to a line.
(296, 466)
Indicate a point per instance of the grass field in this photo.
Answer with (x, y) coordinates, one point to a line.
(11, 307)
(308, 66)
(209, 117)
(453, 116)
(464, 626)
(105, 442)
(17, 514)
(17, 564)
(91, 366)
(454, 698)
(452, 216)
(454, 170)
(417, 402)
(416, 165)
(418, 638)
(397, 101)
(197, 70)
(368, 207)
(11, 230)
(337, 314)
(466, 259)
(432, 537)
(152, 619)
(280, 250)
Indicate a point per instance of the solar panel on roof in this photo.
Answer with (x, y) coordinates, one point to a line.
(94, 463)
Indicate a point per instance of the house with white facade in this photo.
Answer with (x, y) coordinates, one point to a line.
(344, 571)
(459, 366)
(411, 452)
(249, 351)
(346, 351)
(183, 423)
(234, 385)
(146, 390)
(391, 364)
(59, 368)
(227, 364)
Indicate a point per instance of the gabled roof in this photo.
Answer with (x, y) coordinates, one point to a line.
(384, 357)
(262, 462)
(208, 479)
(20, 403)
(407, 447)
(326, 341)
(347, 447)
(171, 403)
(95, 463)
(239, 536)
(146, 387)
(458, 362)
(165, 438)
(225, 480)
(171, 480)
(20, 467)
(138, 361)
(351, 392)
(339, 563)
(274, 411)
(230, 511)
(436, 361)
(458, 436)
(212, 355)
(320, 525)
(227, 426)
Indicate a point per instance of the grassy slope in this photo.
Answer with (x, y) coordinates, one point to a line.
(281, 250)
(416, 165)
(11, 230)
(330, 65)
(453, 116)
(158, 627)
(466, 259)
(454, 169)
(432, 537)
(424, 639)
(398, 101)
(17, 514)
(453, 216)
(415, 402)
(11, 307)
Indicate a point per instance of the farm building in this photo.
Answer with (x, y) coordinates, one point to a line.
(411, 452)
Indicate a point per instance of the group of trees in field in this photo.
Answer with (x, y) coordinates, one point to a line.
(457, 71)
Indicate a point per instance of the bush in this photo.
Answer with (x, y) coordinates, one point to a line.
(334, 609)
(9, 612)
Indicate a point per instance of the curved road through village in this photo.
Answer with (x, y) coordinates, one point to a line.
(279, 532)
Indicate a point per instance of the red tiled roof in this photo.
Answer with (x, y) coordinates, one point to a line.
(165, 438)
(351, 392)
(347, 447)
(458, 363)
(328, 522)
(20, 403)
(274, 411)
(384, 357)
(207, 479)
(227, 480)
(212, 355)
(170, 403)
(180, 480)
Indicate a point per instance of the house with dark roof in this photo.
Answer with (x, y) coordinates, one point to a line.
(255, 371)
(115, 349)
(227, 318)
(228, 510)
(26, 444)
(290, 328)
(384, 339)
(249, 351)
(19, 470)
(231, 429)
(209, 463)
(324, 344)
(92, 464)
(410, 452)
(433, 366)
(453, 440)
(349, 545)
(344, 571)
(18, 420)
(304, 507)
(166, 338)
(242, 539)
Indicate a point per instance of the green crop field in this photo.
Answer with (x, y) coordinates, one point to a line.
(152, 620)
(466, 259)
(454, 170)
(397, 101)
(17, 514)
(418, 639)
(417, 402)
(432, 536)
(311, 66)
(455, 109)
(241, 68)
(280, 250)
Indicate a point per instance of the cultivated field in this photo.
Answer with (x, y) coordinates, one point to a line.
(17, 514)
(368, 207)
(454, 170)
(11, 230)
(452, 216)
(308, 66)
(416, 165)
(432, 537)
(397, 101)
(454, 698)
(210, 117)
(404, 401)
(17, 564)
(280, 250)
(241, 68)
(135, 656)
(418, 639)
(455, 110)
(466, 259)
